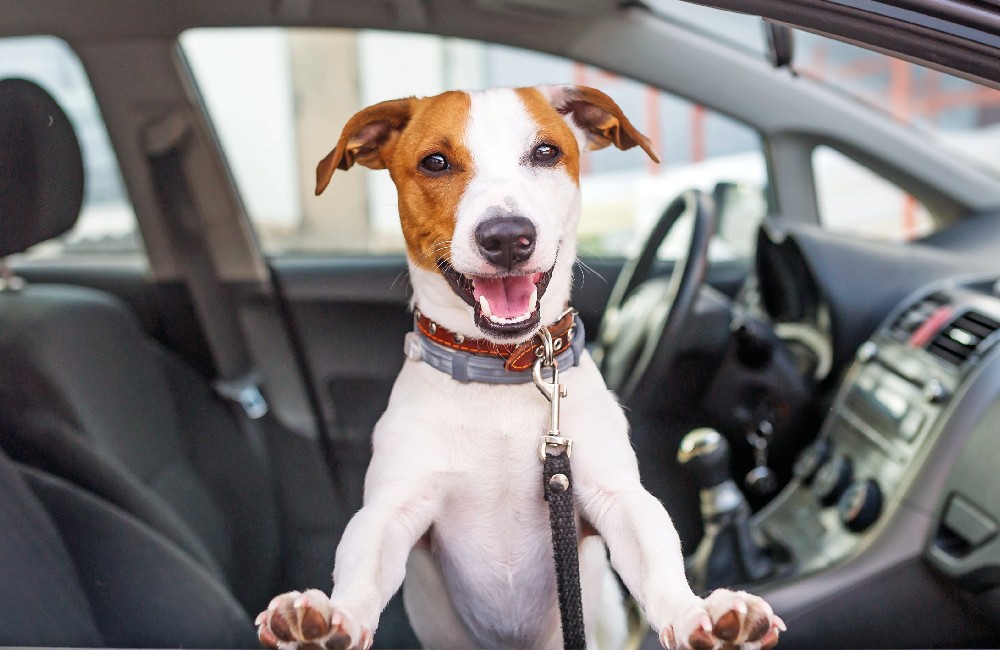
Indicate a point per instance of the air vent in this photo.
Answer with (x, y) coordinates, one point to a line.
(962, 337)
(911, 319)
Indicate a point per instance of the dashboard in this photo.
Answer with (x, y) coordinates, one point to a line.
(904, 471)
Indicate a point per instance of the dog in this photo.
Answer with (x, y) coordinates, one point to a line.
(489, 200)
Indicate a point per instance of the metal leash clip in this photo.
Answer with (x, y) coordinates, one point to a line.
(554, 392)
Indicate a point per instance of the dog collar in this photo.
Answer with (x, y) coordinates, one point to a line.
(480, 360)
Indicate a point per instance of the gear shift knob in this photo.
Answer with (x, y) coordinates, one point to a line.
(728, 553)
(705, 454)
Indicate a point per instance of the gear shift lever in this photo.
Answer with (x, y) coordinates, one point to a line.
(705, 454)
(727, 554)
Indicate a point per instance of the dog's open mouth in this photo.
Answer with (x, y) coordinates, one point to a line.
(506, 306)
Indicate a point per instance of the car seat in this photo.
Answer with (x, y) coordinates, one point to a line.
(78, 572)
(87, 395)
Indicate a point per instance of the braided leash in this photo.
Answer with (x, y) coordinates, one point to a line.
(559, 493)
(554, 451)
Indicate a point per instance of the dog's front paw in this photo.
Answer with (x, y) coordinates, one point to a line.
(726, 619)
(301, 621)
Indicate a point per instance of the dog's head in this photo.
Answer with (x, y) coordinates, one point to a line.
(489, 196)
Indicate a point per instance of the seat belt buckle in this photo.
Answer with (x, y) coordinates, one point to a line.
(244, 391)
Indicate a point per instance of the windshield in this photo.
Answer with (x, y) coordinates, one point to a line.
(962, 115)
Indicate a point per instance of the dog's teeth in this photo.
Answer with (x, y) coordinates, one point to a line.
(508, 321)
(534, 300)
(484, 304)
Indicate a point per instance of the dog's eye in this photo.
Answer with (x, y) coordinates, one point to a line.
(434, 163)
(545, 153)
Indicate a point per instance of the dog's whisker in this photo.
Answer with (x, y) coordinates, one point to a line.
(583, 274)
(588, 267)
(402, 275)
(435, 248)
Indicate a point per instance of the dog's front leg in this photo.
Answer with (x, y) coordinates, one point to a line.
(645, 550)
(369, 568)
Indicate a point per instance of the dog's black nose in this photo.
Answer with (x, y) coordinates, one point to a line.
(505, 241)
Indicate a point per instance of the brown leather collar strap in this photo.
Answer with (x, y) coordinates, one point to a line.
(517, 357)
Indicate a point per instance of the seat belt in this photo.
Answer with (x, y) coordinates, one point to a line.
(237, 381)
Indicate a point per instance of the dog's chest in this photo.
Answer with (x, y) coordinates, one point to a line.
(492, 476)
(491, 534)
(492, 537)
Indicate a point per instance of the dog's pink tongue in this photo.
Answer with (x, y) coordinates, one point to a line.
(508, 296)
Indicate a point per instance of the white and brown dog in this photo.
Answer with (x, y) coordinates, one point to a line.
(489, 201)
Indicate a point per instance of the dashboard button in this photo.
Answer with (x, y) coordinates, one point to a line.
(860, 505)
(832, 479)
(810, 460)
(909, 427)
(934, 391)
(866, 381)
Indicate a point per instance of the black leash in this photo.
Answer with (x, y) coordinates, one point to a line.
(554, 451)
(558, 482)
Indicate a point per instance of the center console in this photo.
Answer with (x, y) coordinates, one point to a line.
(906, 464)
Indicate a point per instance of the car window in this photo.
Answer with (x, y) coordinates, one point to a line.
(853, 199)
(955, 114)
(107, 225)
(278, 98)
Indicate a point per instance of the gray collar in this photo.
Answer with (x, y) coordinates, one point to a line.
(465, 367)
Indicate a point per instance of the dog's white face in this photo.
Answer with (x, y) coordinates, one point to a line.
(489, 196)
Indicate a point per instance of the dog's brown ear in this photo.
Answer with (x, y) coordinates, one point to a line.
(599, 116)
(368, 139)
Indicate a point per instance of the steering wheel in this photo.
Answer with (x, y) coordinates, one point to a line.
(641, 323)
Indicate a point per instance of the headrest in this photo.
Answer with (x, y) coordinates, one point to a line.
(41, 167)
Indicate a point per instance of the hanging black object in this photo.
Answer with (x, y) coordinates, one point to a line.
(558, 482)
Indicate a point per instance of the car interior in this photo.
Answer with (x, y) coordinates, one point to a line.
(187, 400)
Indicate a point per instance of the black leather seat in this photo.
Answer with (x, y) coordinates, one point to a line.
(78, 572)
(87, 396)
